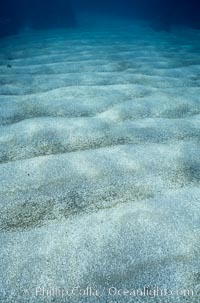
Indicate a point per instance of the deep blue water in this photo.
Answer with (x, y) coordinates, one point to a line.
(162, 14)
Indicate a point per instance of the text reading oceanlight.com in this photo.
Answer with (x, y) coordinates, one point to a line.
(114, 292)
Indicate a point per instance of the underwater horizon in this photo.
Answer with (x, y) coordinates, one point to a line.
(99, 151)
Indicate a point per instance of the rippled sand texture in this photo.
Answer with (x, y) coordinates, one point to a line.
(100, 162)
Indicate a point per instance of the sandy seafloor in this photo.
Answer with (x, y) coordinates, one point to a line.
(100, 164)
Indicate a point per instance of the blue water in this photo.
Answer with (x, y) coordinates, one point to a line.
(163, 15)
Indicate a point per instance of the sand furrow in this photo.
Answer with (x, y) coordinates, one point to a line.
(45, 136)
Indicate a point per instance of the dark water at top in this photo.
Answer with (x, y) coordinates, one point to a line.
(163, 14)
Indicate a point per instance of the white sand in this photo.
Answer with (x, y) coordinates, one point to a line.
(100, 163)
